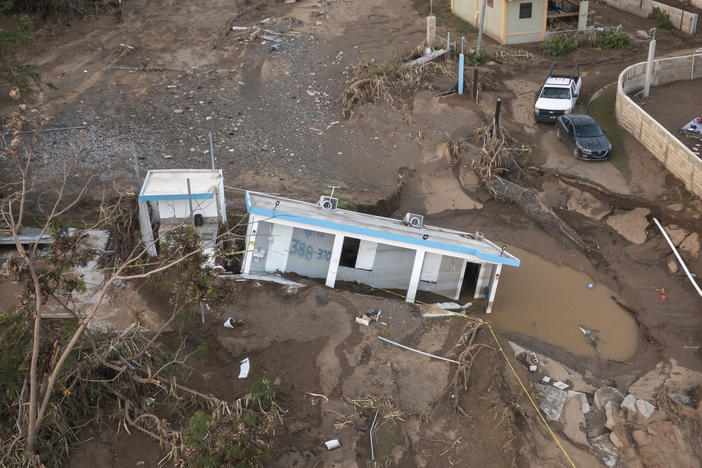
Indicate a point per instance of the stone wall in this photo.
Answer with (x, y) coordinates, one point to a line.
(670, 151)
(682, 20)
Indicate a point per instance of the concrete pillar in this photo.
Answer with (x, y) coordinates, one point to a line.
(649, 67)
(416, 274)
(460, 279)
(334, 261)
(147, 234)
(431, 31)
(493, 287)
(483, 280)
(582, 15)
(251, 229)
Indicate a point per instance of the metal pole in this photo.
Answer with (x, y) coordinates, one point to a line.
(498, 105)
(649, 64)
(461, 62)
(202, 312)
(212, 151)
(475, 83)
(677, 255)
(480, 29)
(136, 163)
(375, 418)
(190, 202)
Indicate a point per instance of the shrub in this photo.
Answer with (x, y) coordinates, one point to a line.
(477, 59)
(662, 17)
(558, 46)
(12, 72)
(614, 39)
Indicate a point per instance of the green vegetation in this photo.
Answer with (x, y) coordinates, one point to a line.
(477, 59)
(602, 110)
(14, 74)
(614, 39)
(345, 202)
(662, 17)
(446, 18)
(51, 8)
(233, 438)
(559, 46)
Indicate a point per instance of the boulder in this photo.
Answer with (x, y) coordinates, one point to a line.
(615, 440)
(629, 403)
(672, 263)
(605, 394)
(645, 408)
(648, 385)
(611, 415)
(631, 225)
(641, 34)
(552, 401)
(603, 447)
(595, 423)
(573, 420)
(641, 438)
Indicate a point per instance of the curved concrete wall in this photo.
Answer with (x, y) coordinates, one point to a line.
(665, 146)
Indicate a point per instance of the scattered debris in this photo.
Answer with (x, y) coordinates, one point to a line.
(427, 58)
(417, 351)
(245, 367)
(332, 444)
(368, 317)
(232, 323)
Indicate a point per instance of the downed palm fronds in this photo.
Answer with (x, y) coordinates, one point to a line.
(468, 352)
(389, 83)
(363, 409)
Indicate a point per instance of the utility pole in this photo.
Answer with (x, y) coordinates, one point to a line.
(649, 64)
(480, 29)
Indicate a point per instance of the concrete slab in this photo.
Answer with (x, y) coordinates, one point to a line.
(606, 394)
(552, 401)
(605, 450)
(573, 420)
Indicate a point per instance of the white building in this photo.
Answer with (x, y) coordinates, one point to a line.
(293, 236)
(164, 203)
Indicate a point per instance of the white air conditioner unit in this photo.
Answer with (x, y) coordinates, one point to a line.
(327, 203)
(413, 220)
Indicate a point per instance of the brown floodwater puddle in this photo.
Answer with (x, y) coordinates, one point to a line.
(550, 302)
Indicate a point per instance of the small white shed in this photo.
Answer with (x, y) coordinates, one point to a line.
(320, 241)
(164, 202)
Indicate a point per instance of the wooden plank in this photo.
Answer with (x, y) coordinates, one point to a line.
(427, 58)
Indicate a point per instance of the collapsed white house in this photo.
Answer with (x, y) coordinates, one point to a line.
(320, 241)
(167, 201)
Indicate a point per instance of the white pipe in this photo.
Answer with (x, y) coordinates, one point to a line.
(371, 435)
(677, 255)
(418, 351)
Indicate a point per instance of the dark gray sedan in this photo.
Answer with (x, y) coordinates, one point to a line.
(582, 133)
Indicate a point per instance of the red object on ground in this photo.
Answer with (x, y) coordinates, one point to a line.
(663, 297)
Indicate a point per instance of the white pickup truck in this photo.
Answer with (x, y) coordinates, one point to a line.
(558, 95)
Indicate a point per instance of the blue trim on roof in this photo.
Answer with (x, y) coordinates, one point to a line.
(381, 234)
(177, 196)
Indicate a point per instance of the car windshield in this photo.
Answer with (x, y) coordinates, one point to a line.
(556, 93)
(588, 131)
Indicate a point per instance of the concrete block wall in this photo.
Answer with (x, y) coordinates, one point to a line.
(665, 146)
(682, 20)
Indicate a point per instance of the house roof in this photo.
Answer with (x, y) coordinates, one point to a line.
(171, 184)
(351, 222)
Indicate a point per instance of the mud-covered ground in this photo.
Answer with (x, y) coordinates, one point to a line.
(163, 74)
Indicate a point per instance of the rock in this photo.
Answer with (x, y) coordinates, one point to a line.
(676, 234)
(552, 401)
(584, 405)
(605, 394)
(595, 423)
(691, 245)
(641, 34)
(641, 438)
(469, 181)
(611, 415)
(178, 111)
(573, 420)
(675, 207)
(680, 398)
(589, 206)
(629, 402)
(603, 447)
(672, 263)
(615, 440)
(645, 408)
(669, 447)
(650, 383)
(631, 225)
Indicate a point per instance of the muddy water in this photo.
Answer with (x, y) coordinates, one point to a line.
(549, 302)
